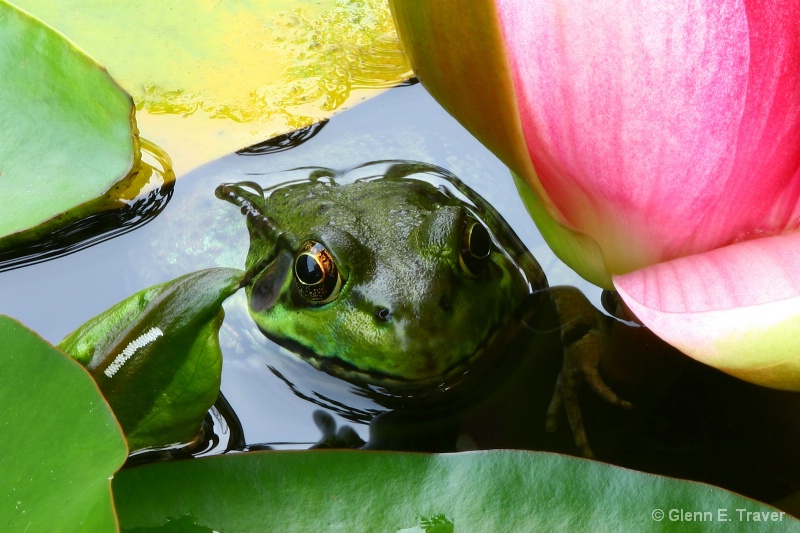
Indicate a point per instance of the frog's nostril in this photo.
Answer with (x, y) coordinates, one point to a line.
(444, 304)
(383, 313)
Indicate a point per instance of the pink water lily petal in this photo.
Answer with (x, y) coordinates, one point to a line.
(462, 64)
(736, 308)
(661, 129)
(574, 249)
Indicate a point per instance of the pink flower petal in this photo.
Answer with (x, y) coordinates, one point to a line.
(736, 308)
(661, 129)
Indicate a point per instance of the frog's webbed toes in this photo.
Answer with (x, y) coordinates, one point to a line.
(573, 374)
(566, 394)
(584, 340)
(591, 376)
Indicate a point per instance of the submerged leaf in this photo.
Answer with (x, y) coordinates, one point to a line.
(59, 440)
(378, 491)
(156, 355)
(70, 145)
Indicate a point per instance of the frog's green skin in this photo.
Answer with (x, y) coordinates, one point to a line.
(418, 290)
(409, 308)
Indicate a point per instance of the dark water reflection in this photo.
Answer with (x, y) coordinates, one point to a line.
(118, 217)
(284, 142)
(689, 421)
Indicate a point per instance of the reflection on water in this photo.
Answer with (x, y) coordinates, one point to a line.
(352, 46)
(688, 420)
(315, 57)
(156, 180)
(284, 142)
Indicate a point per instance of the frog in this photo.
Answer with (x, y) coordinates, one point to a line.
(399, 279)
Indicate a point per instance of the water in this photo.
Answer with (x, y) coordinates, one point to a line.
(197, 230)
(689, 421)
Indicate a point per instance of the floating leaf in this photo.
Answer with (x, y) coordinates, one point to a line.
(379, 491)
(156, 355)
(70, 145)
(60, 443)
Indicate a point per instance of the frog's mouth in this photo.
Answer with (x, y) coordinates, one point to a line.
(470, 375)
(349, 372)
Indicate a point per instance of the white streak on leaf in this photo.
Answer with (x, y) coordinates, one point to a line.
(139, 342)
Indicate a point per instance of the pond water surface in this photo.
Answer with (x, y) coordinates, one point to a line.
(691, 421)
(199, 231)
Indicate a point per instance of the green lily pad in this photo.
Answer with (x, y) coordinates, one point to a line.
(156, 355)
(60, 442)
(378, 491)
(69, 140)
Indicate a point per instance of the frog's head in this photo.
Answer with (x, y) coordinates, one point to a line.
(389, 281)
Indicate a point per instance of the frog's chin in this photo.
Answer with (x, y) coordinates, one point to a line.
(464, 377)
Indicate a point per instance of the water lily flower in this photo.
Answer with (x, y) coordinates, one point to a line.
(657, 147)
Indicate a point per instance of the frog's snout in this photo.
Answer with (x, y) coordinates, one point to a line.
(384, 314)
(441, 304)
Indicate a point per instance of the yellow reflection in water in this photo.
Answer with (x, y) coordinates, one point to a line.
(209, 77)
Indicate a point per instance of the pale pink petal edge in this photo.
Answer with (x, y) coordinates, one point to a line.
(736, 308)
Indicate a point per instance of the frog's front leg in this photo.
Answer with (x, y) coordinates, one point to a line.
(584, 337)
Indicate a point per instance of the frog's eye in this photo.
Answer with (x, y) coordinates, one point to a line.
(476, 247)
(318, 279)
